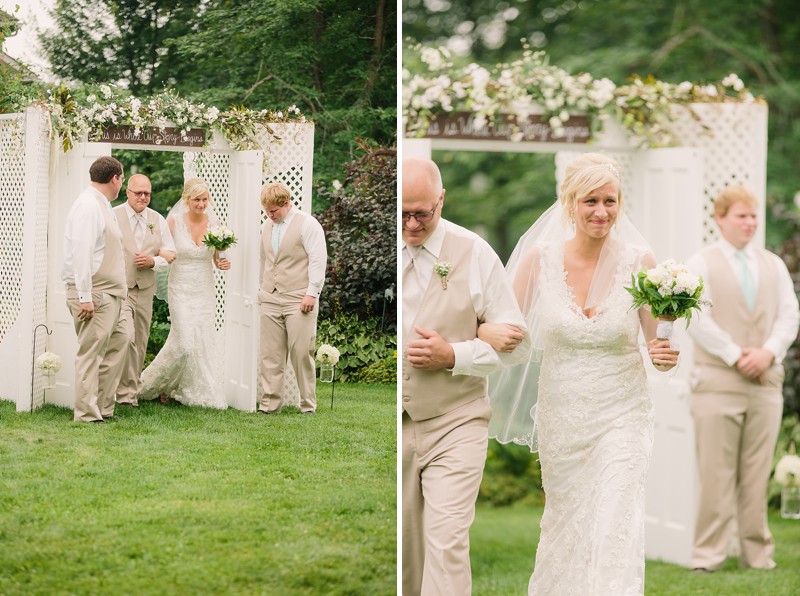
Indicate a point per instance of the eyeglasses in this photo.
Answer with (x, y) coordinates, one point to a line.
(140, 194)
(421, 216)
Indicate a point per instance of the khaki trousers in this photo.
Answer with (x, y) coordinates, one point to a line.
(443, 461)
(287, 333)
(140, 303)
(95, 377)
(735, 435)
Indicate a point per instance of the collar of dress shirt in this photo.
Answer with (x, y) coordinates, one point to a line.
(434, 242)
(730, 250)
(101, 195)
(131, 213)
(289, 216)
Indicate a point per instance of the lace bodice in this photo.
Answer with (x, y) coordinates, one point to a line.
(595, 428)
(188, 367)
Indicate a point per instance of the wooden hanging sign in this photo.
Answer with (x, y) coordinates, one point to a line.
(168, 136)
(462, 125)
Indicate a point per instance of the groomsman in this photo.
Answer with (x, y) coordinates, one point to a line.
(737, 382)
(144, 234)
(293, 261)
(452, 282)
(94, 274)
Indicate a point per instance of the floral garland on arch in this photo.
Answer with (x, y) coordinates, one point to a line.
(71, 121)
(531, 85)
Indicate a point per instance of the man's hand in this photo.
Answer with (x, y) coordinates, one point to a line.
(86, 312)
(307, 303)
(431, 352)
(754, 362)
(143, 261)
(501, 336)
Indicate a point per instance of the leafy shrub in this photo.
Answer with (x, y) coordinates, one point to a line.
(360, 343)
(159, 330)
(789, 433)
(361, 231)
(511, 475)
(382, 372)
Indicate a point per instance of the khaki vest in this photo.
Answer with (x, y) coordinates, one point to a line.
(450, 312)
(143, 278)
(110, 277)
(287, 271)
(746, 327)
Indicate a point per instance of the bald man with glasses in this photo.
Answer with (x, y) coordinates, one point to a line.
(452, 283)
(149, 248)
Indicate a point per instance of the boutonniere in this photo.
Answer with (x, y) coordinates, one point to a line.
(442, 269)
(150, 227)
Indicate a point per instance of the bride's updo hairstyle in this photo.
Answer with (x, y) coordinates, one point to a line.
(193, 188)
(583, 175)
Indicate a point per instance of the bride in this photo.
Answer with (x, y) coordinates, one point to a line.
(186, 368)
(594, 416)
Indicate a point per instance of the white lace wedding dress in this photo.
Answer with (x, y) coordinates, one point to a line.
(595, 432)
(187, 367)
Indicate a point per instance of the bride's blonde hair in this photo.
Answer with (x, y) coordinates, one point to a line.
(584, 174)
(193, 188)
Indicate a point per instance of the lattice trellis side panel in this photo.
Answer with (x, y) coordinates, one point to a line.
(39, 182)
(288, 158)
(12, 210)
(733, 138)
(214, 168)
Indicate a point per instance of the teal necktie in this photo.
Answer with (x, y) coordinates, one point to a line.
(746, 280)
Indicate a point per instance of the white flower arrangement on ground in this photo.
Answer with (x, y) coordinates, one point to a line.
(531, 85)
(49, 362)
(327, 354)
(219, 238)
(787, 471)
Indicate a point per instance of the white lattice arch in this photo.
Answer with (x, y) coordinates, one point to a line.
(38, 183)
(669, 196)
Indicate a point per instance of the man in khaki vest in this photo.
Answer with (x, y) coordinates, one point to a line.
(737, 380)
(293, 261)
(452, 282)
(145, 234)
(94, 274)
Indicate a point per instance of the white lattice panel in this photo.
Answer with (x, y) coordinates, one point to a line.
(12, 209)
(288, 158)
(214, 168)
(733, 139)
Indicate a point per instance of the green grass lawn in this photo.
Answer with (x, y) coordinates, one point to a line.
(503, 545)
(180, 500)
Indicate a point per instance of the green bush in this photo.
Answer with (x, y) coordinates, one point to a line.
(790, 433)
(511, 475)
(159, 330)
(383, 372)
(360, 343)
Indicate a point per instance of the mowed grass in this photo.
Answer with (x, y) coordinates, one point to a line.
(503, 547)
(181, 500)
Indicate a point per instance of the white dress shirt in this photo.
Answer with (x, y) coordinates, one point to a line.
(167, 243)
(313, 238)
(491, 294)
(718, 342)
(84, 241)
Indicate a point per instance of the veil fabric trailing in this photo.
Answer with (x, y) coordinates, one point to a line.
(513, 392)
(177, 211)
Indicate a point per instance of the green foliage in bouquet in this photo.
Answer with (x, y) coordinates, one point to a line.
(669, 289)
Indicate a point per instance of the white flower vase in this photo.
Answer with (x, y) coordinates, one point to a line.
(790, 502)
(49, 378)
(326, 373)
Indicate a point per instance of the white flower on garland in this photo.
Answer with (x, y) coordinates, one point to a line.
(327, 354)
(49, 362)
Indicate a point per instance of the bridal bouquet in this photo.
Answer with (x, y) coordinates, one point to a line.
(671, 291)
(49, 362)
(219, 238)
